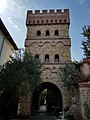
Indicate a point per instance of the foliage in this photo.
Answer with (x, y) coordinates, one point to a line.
(17, 77)
(70, 74)
(43, 96)
(68, 77)
(86, 43)
(87, 109)
(22, 74)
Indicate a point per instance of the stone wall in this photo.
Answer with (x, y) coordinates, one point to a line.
(47, 17)
(84, 95)
(62, 30)
(51, 44)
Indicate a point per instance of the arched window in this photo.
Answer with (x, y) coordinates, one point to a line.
(38, 33)
(60, 20)
(37, 56)
(29, 21)
(38, 22)
(51, 21)
(46, 58)
(46, 21)
(47, 33)
(56, 21)
(56, 59)
(42, 21)
(56, 33)
(64, 20)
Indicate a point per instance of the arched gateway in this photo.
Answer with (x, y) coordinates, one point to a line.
(53, 97)
(48, 39)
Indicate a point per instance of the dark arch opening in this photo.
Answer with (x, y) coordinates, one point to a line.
(46, 58)
(56, 59)
(47, 33)
(64, 20)
(38, 33)
(38, 22)
(56, 33)
(53, 97)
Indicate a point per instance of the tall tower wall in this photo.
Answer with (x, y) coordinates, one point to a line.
(48, 39)
(53, 44)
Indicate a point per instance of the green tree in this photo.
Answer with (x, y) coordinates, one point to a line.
(86, 42)
(70, 75)
(19, 76)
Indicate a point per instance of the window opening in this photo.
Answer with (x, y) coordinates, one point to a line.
(47, 58)
(47, 33)
(38, 33)
(56, 58)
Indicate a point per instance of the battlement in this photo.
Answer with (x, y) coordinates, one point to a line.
(48, 12)
(51, 16)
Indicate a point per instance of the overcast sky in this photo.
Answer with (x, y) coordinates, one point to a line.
(13, 14)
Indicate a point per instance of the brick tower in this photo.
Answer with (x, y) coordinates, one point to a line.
(48, 39)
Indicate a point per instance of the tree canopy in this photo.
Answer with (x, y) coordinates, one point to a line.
(69, 75)
(20, 74)
(18, 77)
(86, 42)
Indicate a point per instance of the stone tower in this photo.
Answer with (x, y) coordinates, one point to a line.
(48, 39)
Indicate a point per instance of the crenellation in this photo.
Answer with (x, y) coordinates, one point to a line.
(48, 12)
(66, 10)
(29, 12)
(37, 11)
(51, 11)
(58, 17)
(44, 11)
(59, 10)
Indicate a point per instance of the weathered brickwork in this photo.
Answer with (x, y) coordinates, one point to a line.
(48, 34)
(32, 31)
(84, 89)
(24, 105)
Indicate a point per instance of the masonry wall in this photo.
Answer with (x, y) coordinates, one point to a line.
(84, 95)
(41, 44)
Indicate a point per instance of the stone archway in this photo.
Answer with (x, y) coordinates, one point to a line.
(53, 99)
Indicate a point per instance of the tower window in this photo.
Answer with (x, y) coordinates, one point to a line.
(56, 21)
(56, 33)
(29, 21)
(56, 59)
(51, 21)
(46, 21)
(46, 58)
(64, 20)
(38, 22)
(47, 33)
(60, 21)
(37, 56)
(38, 33)
(42, 21)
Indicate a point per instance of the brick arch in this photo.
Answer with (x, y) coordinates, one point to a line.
(34, 48)
(46, 72)
(33, 43)
(60, 42)
(46, 42)
(47, 48)
(53, 99)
